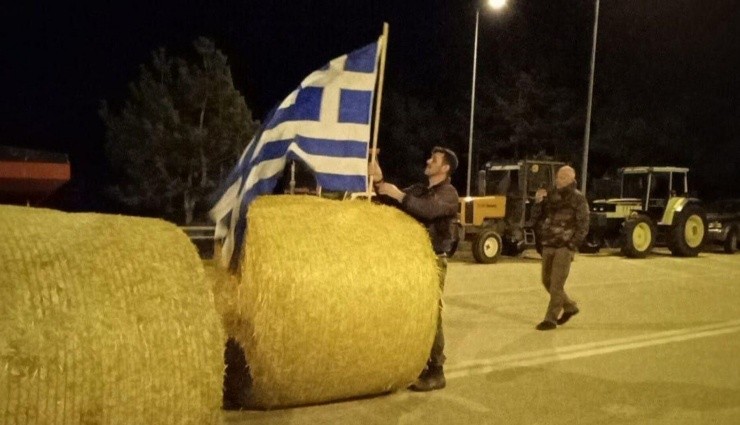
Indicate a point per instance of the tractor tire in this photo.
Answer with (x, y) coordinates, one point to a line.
(638, 237)
(591, 245)
(453, 248)
(730, 245)
(688, 233)
(487, 247)
(511, 247)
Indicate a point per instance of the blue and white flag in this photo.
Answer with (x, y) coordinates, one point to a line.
(325, 123)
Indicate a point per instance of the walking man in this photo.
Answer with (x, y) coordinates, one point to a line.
(434, 204)
(564, 217)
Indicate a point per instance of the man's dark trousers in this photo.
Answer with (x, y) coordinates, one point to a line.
(555, 269)
(437, 356)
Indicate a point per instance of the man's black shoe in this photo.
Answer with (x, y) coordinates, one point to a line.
(430, 379)
(546, 325)
(566, 316)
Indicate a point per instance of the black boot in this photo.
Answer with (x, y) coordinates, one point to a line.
(566, 316)
(432, 378)
(546, 325)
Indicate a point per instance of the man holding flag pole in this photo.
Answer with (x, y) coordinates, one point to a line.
(435, 206)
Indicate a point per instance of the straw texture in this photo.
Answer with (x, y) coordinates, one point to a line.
(104, 320)
(334, 300)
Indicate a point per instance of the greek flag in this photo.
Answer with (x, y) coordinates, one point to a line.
(324, 123)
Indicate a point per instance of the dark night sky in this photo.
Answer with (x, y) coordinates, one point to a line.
(60, 59)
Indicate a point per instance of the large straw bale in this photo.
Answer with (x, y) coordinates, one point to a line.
(335, 300)
(104, 320)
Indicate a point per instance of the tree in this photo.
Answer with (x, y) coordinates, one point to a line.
(182, 128)
(522, 114)
(631, 131)
(410, 128)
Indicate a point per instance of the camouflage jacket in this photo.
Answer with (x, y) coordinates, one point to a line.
(562, 218)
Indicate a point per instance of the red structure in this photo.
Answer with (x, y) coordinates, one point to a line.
(29, 176)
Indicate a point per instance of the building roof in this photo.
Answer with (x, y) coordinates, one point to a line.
(28, 175)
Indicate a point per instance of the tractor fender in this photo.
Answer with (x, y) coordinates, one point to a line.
(676, 205)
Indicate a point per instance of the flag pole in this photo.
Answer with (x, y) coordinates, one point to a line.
(376, 123)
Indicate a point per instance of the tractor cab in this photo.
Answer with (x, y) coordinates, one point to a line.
(654, 187)
(518, 182)
(498, 219)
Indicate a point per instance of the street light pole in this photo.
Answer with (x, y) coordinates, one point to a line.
(495, 5)
(587, 135)
(472, 101)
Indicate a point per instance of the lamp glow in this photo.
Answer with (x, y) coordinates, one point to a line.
(496, 4)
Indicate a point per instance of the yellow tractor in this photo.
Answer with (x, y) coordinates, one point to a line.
(654, 207)
(497, 221)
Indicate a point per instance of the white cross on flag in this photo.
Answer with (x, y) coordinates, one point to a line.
(324, 123)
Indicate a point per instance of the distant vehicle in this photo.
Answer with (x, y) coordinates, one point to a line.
(724, 224)
(654, 207)
(498, 220)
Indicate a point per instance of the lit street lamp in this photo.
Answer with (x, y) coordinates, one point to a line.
(495, 5)
(587, 133)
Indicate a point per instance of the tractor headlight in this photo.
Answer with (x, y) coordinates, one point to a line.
(603, 208)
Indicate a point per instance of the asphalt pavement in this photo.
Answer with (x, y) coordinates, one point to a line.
(657, 342)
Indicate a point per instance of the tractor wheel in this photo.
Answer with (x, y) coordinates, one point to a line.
(458, 233)
(487, 247)
(453, 248)
(689, 230)
(638, 237)
(591, 245)
(730, 244)
(512, 247)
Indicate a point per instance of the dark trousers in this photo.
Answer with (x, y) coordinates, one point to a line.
(555, 269)
(437, 356)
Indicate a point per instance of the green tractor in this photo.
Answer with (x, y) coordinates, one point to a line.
(654, 208)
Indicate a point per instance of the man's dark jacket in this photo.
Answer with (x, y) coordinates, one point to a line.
(562, 218)
(436, 208)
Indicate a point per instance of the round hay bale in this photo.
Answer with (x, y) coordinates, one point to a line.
(335, 300)
(104, 320)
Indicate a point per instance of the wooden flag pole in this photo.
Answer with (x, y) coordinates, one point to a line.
(376, 124)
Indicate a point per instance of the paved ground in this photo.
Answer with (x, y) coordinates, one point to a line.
(657, 342)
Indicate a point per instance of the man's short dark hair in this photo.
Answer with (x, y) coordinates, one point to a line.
(449, 157)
